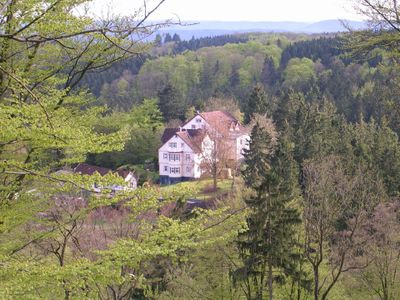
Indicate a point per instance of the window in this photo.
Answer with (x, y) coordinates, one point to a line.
(198, 120)
(188, 169)
(241, 142)
(175, 170)
(165, 156)
(166, 168)
(173, 145)
(193, 126)
(174, 157)
(187, 157)
(182, 145)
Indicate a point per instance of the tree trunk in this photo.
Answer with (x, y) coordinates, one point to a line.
(316, 282)
(270, 281)
(214, 178)
(66, 294)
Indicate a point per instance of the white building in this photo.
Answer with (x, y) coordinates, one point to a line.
(184, 149)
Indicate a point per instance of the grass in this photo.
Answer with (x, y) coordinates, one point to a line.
(202, 189)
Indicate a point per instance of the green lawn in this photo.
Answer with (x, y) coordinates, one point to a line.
(201, 189)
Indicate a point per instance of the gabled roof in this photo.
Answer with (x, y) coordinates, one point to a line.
(86, 169)
(192, 137)
(222, 120)
(168, 134)
(218, 116)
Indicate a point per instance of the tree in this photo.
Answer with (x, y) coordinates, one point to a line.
(176, 38)
(269, 74)
(167, 38)
(219, 151)
(380, 255)
(48, 124)
(384, 28)
(377, 148)
(158, 40)
(267, 247)
(379, 40)
(229, 105)
(257, 103)
(298, 73)
(171, 103)
(336, 206)
(143, 125)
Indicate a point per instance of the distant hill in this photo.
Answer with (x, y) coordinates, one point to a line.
(332, 26)
(213, 28)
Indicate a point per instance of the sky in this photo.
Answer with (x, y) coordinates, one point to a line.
(239, 10)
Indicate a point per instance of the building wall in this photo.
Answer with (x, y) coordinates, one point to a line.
(177, 162)
(185, 163)
(242, 142)
(131, 181)
(196, 123)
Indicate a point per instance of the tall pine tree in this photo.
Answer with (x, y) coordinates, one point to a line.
(171, 103)
(257, 103)
(269, 74)
(267, 247)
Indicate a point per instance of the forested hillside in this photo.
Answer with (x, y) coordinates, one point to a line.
(318, 67)
(312, 211)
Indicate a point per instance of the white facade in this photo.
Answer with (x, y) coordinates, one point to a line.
(185, 149)
(197, 122)
(131, 181)
(177, 159)
(242, 142)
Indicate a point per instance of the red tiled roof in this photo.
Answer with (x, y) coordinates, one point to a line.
(221, 120)
(192, 137)
(86, 169)
(218, 116)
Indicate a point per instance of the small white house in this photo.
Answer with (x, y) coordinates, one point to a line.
(184, 149)
(129, 178)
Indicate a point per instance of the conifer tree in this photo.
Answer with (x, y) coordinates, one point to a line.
(257, 103)
(267, 246)
(167, 38)
(269, 74)
(171, 104)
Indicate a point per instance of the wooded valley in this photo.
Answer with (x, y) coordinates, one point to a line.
(312, 212)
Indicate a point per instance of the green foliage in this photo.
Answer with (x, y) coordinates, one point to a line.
(257, 103)
(298, 72)
(171, 103)
(143, 127)
(268, 247)
(377, 148)
(59, 236)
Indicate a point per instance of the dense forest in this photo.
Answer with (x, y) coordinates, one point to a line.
(313, 212)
